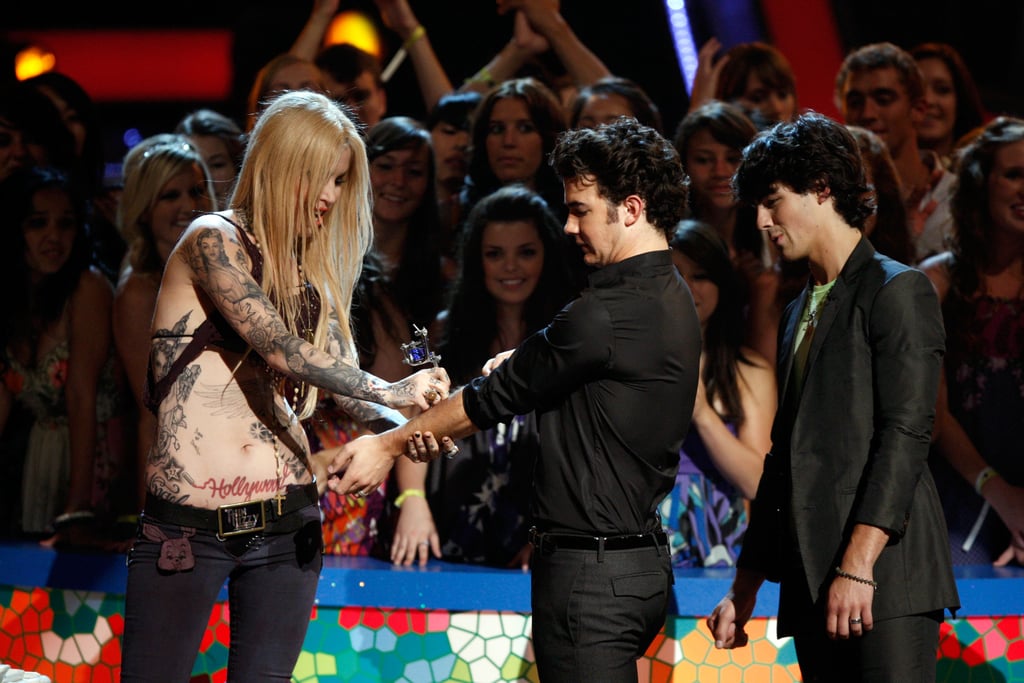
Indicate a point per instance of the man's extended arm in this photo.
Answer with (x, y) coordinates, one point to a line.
(362, 464)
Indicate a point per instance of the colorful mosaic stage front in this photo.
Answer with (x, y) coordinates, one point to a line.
(74, 637)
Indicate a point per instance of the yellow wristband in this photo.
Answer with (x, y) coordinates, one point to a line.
(417, 493)
(416, 34)
(983, 476)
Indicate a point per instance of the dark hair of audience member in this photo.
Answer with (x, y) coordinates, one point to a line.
(471, 320)
(887, 229)
(723, 333)
(417, 283)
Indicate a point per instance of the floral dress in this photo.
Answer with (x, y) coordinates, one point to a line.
(704, 515)
(46, 473)
(985, 379)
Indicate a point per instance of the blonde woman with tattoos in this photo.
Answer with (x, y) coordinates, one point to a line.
(251, 324)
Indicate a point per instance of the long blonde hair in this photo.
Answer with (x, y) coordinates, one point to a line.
(147, 167)
(292, 153)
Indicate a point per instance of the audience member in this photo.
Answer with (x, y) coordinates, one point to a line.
(283, 73)
(977, 450)
(165, 185)
(80, 116)
(57, 358)
(220, 142)
(406, 227)
(449, 124)
(514, 131)
(723, 454)
(954, 106)
(609, 98)
(755, 76)
(514, 276)
(879, 87)
(887, 227)
(710, 141)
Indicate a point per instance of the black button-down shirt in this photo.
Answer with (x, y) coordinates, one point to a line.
(613, 379)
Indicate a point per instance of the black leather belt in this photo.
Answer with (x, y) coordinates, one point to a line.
(546, 543)
(238, 518)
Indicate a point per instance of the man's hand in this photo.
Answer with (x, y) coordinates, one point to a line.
(727, 621)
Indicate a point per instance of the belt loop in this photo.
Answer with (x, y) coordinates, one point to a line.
(600, 548)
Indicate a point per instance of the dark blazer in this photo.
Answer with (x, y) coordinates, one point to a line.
(853, 447)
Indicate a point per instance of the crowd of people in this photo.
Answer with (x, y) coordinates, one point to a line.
(248, 290)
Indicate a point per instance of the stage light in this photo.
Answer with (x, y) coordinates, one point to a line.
(32, 61)
(355, 28)
(682, 37)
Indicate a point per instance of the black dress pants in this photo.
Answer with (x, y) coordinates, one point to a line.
(594, 616)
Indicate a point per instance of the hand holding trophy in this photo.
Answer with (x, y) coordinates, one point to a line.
(417, 353)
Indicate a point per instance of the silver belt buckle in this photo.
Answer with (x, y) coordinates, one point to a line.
(240, 518)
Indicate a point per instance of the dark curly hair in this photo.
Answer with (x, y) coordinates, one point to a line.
(807, 155)
(471, 324)
(626, 158)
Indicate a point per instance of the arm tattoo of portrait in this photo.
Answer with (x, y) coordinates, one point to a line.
(246, 306)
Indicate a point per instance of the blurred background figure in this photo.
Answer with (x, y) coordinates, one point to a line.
(977, 441)
(57, 359)
(609, 98)
(887, 228)
(221, 143)
(723, 454)
(166, 185)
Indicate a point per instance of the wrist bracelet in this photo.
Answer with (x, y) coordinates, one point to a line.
(983, 476)
(858, 579)
(415, 493)
(482, 76)
(68, 518)
(416, 34)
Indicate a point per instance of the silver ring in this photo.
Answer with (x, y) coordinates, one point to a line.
(855, 620)
(451, 452)
(425, 543)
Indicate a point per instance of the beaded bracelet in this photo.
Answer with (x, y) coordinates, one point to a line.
(416, 493)
(858, 579)
(983, 477)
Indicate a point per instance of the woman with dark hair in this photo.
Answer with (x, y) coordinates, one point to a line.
(514, 130)
(406, 227)
(977, 445)
(612, 97)
(221, 144)
(710, 142)
(514, 278)
(79, 113)
(954, 106)
(57, 358)
(722, 456)
(887, 228)
(755, 76)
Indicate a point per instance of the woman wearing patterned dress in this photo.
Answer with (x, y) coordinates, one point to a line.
(723, 453)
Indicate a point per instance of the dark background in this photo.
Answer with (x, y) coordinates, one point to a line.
(632, 37)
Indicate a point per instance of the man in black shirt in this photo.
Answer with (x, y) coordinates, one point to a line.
(612, 379)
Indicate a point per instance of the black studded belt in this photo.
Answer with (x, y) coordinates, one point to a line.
(251, 516)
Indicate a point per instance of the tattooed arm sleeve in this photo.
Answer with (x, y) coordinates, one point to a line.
(220, 268)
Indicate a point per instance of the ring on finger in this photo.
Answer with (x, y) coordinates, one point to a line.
(855, 621)
(431, 395)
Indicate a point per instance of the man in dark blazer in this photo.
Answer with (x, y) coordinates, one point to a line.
(846, 515)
